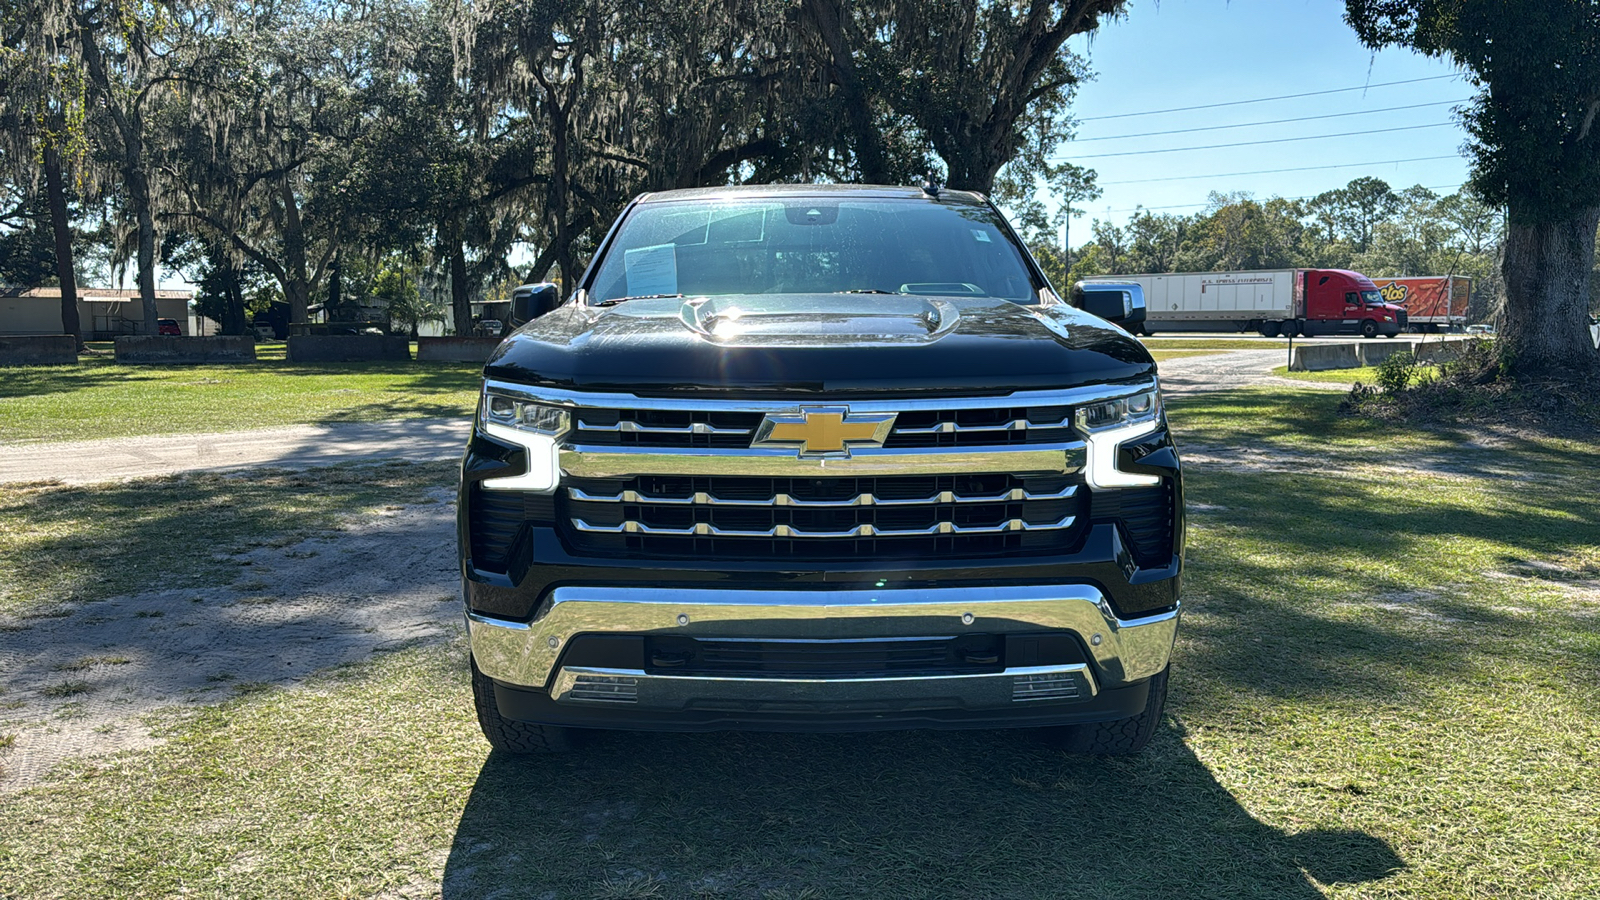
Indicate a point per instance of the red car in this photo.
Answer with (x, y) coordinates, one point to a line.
(168, 326)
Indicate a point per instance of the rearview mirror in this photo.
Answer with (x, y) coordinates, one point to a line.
(530, 301)
(1119, 303)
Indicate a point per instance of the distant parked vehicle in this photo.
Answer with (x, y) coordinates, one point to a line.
(489, 327)
(1480, 329)
(264, 332)
(168, 327)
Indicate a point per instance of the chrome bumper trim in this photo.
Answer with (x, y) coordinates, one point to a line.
(525, 653)
(587, 686)
(609, 461)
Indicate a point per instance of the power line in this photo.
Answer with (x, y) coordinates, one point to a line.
(1379, 162)
(1359, 112)
(1313, 137)
(1362, 87)
(1436, 187)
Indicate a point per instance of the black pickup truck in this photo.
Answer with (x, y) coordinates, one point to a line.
(819, 458)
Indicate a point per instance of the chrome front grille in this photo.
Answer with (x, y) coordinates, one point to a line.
(957, 427)
(820, 518)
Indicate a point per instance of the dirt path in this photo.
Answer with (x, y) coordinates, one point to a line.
(88, 682)
(291, 446)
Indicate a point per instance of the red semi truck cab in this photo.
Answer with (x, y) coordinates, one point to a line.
(1338, 301)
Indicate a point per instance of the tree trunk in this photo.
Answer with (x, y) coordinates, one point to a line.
(296, 286)
(56, 196)
(1545, 332)
(460, 295)
(233, 311)
(827, 17)
(139, 196)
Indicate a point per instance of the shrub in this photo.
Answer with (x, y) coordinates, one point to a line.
(1396, 373)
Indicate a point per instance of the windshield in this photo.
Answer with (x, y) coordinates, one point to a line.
(812, 245)
(1372, 298)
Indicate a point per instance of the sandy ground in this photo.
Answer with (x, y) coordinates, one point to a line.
(99, 677)
(89, 681)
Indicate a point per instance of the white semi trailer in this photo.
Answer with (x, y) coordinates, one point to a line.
(1273, 302)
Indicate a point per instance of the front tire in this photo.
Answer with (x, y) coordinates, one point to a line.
(1120, 737)
(1369, 329)
(509, 735)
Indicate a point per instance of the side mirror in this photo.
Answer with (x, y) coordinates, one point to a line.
(530, 301)
(1122, 304)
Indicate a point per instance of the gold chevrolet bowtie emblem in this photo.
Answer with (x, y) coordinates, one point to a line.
(824, 430)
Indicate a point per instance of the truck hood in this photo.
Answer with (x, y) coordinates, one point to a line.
(764, 344)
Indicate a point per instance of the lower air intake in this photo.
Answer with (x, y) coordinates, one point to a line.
(1052, 686)
(605, 689)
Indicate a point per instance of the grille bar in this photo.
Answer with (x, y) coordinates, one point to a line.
(706, 529)
(632, 427)
(958, 428)
(704, 498)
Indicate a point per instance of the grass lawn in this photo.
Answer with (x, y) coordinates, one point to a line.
(1384, 687)
(1363, 374)
(98, 398)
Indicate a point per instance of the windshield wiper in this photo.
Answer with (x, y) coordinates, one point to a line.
(615, 300)
(864, 291)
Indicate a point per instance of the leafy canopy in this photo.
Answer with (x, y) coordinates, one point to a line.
(1536, 138)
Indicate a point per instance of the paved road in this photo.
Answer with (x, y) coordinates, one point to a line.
(421, 440)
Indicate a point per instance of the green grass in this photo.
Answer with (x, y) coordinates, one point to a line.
(88, 543)
(1384, 687)
(1159, 354)
(99, 399)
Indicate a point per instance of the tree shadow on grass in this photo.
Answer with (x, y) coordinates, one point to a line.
(902, 814)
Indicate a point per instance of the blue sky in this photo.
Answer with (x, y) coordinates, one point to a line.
(1184, 53)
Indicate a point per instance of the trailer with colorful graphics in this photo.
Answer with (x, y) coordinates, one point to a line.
(1272, 302)
(1432, 302)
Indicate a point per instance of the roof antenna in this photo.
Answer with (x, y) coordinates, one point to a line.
(931, 186)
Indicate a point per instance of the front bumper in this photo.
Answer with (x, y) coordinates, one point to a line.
(534, 682)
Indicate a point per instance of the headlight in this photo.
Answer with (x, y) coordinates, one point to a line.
(524, 415)
(1137, 409)
(1107, 425)
(537, 428)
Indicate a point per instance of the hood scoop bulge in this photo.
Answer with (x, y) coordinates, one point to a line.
(831, 319)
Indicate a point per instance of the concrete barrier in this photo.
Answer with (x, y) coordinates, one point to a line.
(455, 349)
(38, 350)
(1440, 351)
(306, 348)
(160, 348)
(1320, 357)
(1372, 353)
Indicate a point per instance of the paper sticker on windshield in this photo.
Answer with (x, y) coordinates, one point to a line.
(651, 270)
(981, 235)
